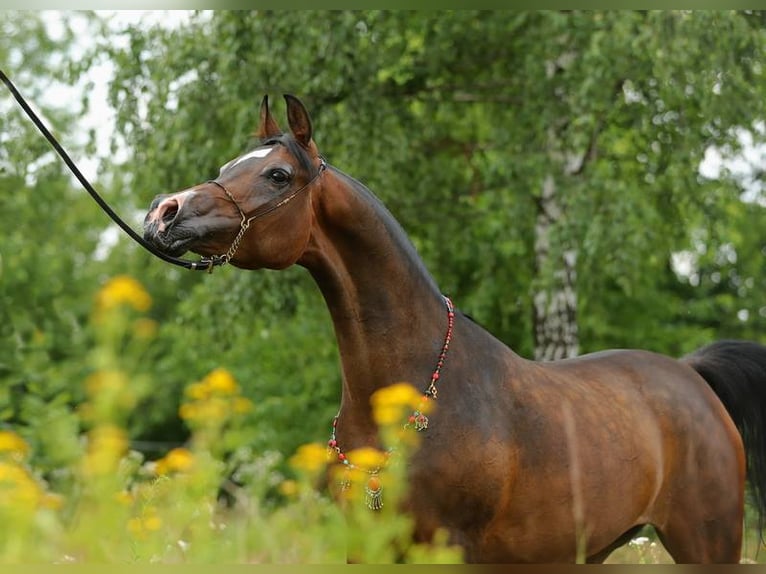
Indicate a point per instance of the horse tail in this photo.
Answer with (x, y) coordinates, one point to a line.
(736, 371)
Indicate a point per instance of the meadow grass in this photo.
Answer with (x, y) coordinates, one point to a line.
(212, 500)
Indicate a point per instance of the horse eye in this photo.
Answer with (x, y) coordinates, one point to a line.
(279, 176)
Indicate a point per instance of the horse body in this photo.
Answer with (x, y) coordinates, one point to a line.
(522, 461)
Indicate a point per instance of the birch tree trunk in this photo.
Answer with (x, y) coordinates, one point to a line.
(555, 306)
(555, 303)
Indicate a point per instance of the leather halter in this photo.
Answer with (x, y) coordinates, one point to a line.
(260, 211)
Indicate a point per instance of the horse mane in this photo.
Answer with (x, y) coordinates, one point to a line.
(396, 231)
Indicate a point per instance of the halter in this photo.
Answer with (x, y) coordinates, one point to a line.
(260, 211)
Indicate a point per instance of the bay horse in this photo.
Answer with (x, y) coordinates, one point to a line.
(522, 461)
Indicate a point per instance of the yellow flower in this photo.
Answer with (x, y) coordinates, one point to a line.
(13, 444)
(197, 391)
(177, 460)
(107, 445)
(221, 381)
(123, 289)
(390, 404)
(367, 458)
(396, 395)
(309, 457)
(105, 380)
(110, 438)
(152, 522)
(388, 415)
(188, 411)
(18, 487)
(288, 488)
(124, 497)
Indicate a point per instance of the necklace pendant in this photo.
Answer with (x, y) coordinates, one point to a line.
(421, 422)
(373, 493)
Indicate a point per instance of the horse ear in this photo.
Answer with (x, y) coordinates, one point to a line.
(299, 120)
(267, 127)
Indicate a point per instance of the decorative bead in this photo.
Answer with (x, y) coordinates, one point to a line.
(332, 443)
(373, 483)
(341, 456)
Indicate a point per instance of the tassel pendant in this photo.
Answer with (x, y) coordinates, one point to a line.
(373, 493)
(418, 421)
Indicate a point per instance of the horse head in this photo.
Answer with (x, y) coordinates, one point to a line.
(257, 212)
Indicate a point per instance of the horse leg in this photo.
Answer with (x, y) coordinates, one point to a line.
(703, 540)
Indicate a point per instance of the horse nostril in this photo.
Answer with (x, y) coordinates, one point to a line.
(165, 213)
(168, 211)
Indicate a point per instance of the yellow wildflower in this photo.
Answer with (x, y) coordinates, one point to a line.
(107, 445)
(288, 488)
(367, 458)
(188, 411)
(396, 395)
(104, 381)
(13, 444)
(387, 415)
(110, 438)
(177, 460)
(390, 404)
(309, 457)
(124, 497)
(135, 527)
(18, 487)
(152, 522)
(149, 521)
(212, 411)
(197, 391)
(221, 381)
(123, 289)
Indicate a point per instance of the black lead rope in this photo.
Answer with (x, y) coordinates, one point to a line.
(205, 264)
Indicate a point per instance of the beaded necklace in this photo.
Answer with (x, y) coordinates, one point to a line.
(417, 420)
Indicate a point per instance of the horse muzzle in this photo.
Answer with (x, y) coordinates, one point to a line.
(163, 224)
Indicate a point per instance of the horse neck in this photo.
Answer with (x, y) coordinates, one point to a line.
(387, 311)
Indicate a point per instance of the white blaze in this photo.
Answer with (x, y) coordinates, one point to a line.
(260, 152)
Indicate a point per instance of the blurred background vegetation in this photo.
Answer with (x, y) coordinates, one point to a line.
(547, 166)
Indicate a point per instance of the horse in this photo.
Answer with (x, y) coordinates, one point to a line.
(521, 461)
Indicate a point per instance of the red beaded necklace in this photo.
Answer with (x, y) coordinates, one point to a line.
(417, 420)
